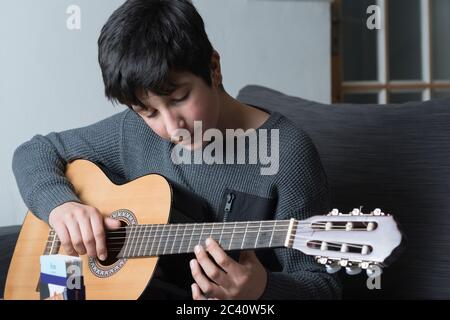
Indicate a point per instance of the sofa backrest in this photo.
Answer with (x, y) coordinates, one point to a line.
(393, 157)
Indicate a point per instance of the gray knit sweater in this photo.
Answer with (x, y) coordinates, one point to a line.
(127, 148)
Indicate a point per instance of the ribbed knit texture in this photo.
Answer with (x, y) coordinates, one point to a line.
(127, 148)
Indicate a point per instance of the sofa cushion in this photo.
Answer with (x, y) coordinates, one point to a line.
(393, 157)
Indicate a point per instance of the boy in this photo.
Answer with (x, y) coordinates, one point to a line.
(156, 58)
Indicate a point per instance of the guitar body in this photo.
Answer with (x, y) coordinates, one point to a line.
(149, 199)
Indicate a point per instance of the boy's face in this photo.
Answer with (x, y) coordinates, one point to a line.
(191, 101)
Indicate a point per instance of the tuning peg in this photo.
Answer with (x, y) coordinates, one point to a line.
(374, 271)
(353, 270)
(334, 212)
(333, 267)
(378, 212)
(321, 260)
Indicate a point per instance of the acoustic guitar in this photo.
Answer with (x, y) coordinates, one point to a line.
(160, 220)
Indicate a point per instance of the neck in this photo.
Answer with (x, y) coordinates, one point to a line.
(237, 115)
(166, 239)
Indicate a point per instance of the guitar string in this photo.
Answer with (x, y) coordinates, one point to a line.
(332, 245)
(176, 233)
(135, 230)
(282, 236)
(312, 242)
(231, 224)
(140, 234)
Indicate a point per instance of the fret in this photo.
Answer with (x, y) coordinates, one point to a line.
(159, 240)
(249, 235)
(245, 233)
(137, 230)
(279, 238)
(201, 234)
(225, 238)
(140, 236)
(53, 247)
(212, 231)
(188, 249)
(167, 238)
(149, 238)
(265, 236)
(273, 231)
(232, 234)
(141, 240)
(125, 243)
(130, 240)
(153, 238)
(257, 236)
(221, 233)
(175, 239)
(182, 240)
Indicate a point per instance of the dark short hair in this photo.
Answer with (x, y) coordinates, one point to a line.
(144, 41)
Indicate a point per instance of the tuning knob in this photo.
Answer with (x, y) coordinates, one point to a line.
(374, 271)
(378, 212)
(334, 212)
(333, 267)
(351, 271)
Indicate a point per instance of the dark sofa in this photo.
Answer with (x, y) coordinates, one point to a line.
(395, 157)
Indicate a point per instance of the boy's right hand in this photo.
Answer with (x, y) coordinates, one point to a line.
(81, 229)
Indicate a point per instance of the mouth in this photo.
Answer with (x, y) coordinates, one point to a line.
(176, 139)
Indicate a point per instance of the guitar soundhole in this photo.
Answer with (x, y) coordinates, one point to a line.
(115, 240)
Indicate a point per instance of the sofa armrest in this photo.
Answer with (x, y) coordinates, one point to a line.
(8, 238)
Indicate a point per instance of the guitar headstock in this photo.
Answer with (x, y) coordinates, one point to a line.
(355, 240)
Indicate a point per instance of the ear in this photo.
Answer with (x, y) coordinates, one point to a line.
(216, 74)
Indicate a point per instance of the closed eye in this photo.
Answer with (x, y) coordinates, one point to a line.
(182, 98)
(151, 114)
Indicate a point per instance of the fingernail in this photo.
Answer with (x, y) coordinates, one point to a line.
(102, 257)
(192, 263)
(197, 249)
(208, 241)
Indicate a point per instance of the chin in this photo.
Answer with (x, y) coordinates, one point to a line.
(193, 146)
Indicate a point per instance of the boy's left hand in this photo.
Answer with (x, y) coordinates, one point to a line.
(243, 280)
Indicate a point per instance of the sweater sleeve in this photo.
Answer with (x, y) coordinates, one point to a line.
(39, 164)
(302, 192)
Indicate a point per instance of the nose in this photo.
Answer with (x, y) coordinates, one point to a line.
(173, 123)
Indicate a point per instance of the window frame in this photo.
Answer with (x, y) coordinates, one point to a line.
(383, 86)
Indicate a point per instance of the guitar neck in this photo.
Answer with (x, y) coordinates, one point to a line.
(167, 239)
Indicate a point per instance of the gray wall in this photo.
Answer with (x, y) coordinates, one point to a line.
(51, 80)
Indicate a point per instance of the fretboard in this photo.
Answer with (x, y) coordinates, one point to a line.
(166, 239)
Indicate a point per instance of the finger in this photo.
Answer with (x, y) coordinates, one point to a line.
(99, 234)
(75, 237)
(64, 237)
(88, 236)
(206, 286)
(210, 268)
(197, 293)
(112, 224)
(221, 257)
